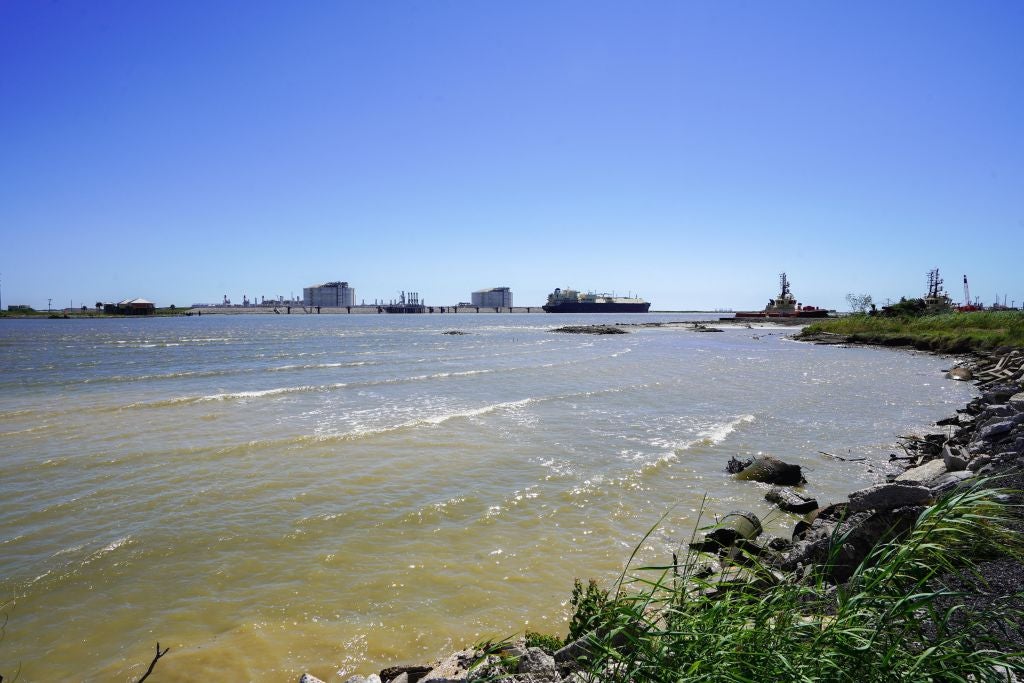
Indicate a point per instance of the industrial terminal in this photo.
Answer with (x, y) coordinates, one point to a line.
(339, 296)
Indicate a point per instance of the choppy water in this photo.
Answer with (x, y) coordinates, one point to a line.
(275, 494)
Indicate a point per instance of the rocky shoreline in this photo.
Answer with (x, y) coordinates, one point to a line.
(985, 439)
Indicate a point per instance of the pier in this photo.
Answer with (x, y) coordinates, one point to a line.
(299, 309)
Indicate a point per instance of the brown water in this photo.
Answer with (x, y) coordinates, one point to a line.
(276, 494)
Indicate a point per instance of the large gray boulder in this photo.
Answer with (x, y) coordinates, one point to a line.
(889, 496)
(454, 667)
(1017, 401)
(993, 429)
(923, 474)
(949, 481)
(538, 664)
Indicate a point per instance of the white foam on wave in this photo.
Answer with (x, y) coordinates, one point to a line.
(719, 433)
(317, 366)
(473, 412)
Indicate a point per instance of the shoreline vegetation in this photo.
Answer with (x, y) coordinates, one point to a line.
(973, 332)
(915, 579)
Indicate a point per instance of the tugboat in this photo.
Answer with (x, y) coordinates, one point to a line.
(573, 301)
(785, 305)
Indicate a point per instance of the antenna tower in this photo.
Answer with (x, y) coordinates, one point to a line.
(934, 284)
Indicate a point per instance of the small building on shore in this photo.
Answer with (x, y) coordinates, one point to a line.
(329, 295)
(495, 297)
(131, 307)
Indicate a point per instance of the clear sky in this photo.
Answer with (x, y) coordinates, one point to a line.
(685, 151)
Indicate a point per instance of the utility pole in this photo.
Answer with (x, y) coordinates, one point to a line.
(48, 302)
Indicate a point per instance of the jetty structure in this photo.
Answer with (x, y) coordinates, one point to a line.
(406, 304)
(785, 305)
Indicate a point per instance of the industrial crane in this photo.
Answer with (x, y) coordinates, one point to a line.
(968, 306)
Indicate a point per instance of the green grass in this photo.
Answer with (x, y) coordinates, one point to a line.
(893, 621)
(949, 332)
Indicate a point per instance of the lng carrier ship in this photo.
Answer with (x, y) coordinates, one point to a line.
(573, 301)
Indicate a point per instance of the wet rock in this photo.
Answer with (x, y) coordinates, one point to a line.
(962, 374)
(859, 532)
(924, 473)
(309, 678)
(889, 496)
(516, 651)
(413, 673)
(455, 332)
(454, 667)
(791, 501)
(372, 678)
(1005, 457)
(538, 664)
(573, 651)
(735, 465)
(490, 669)
(999, 394)
(998, 410)
(771, 470)
(949, 481)
(991, 430)
(948, 421)
(977, 463)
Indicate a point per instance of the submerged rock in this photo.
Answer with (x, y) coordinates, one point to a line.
(791, 501)
(771, 470)
(962, 374)
(590, 329)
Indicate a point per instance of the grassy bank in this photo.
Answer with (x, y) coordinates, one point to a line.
(950, 332)
(897, 619)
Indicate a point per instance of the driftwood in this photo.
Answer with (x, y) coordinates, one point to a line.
(839, 457)
(152, 664)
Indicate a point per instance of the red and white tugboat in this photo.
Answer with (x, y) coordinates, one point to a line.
(785, 305)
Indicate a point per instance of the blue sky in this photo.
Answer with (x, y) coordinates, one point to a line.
(687, 151)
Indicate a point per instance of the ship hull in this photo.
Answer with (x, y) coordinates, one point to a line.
(817, 313)
(610, 307)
